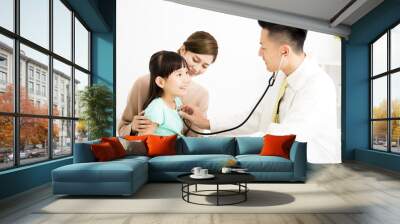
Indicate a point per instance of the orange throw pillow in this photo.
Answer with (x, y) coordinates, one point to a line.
(161, 145)
(103, 151)
(136, 137)
(277, 145)
(116, 145)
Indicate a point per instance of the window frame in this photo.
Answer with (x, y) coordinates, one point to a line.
(15, 72)
(388, 74)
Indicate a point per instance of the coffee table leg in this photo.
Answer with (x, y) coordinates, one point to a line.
(217, 194)
(188, 189)
(245, 193)
(196, 188)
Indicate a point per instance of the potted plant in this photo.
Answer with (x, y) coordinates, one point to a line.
(96, 103)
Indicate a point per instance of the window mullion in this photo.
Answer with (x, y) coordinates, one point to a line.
(389, 104)
(50, 81)
(73, 82)
(16, 84)
(371, 141)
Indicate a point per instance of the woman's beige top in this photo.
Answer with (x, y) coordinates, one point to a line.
(196, 95)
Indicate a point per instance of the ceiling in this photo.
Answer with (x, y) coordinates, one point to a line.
(327, 16)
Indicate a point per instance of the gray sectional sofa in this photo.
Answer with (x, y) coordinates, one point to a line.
(125, 176)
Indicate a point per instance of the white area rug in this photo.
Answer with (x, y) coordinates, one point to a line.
(166, 198)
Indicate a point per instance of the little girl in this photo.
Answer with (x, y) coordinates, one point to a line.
(169, 80)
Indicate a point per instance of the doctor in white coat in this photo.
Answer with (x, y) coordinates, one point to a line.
(306, 106)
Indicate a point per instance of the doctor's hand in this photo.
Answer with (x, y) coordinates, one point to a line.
(195, 116)
(142, 125)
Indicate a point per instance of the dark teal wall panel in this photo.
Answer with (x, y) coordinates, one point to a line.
(103, 64)
(102, 58)
(376, 158)
(24, 178)
(356, 99)
(89, 11)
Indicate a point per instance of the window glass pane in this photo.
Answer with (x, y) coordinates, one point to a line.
(6, 142)
(6, 74)
(379, 55)
(34, 81)
(62, 29)
(62, 138)
(395, 47)
(81, 81)
(379, 135)
(395, 94)
(35, 21)
(379, 97)
(81, 131)
(81, 45)
(62, 89)
(7, 14)
(33, 140)
(395, 138)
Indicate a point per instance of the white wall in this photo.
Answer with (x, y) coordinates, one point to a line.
(237, 78)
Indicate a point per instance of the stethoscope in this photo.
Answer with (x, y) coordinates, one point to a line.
(271, 82)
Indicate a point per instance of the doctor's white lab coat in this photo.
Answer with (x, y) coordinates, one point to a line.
(308, 110)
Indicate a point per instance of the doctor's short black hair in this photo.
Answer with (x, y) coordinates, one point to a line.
(295, 36)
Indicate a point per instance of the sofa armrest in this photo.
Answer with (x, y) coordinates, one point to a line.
(298, 155)
(83, 152)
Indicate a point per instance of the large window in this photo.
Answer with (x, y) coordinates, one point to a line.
(385, 91)
(44, 63)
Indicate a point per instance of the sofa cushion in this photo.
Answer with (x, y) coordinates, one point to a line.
(185, 163)
(136, 137)
(116, 145)
(209, 145)
(249, 145)
(161, 145)
(103, 152)
(111, 171)
(134, 147)
(131, 158)
(277, 145)
(257, 163)
(83, 152)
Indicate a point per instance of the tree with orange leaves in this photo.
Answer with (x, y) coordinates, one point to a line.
(33, 130)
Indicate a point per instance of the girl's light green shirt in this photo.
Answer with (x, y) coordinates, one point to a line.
(168, 119)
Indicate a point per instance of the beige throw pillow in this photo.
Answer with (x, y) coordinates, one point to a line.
(134, 147)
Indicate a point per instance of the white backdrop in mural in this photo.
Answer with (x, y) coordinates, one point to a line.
(237, 78)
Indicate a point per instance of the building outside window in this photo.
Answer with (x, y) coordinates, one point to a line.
(30, 72)
(38, 89)
(3, 61)
(43, 90)
(43, 77)
(37, 75)
(3, 78)
(3, 72)
(30, 87)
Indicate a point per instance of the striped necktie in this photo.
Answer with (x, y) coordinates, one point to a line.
(275, 112)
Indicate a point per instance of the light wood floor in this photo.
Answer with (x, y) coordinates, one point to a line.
(378, 188)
